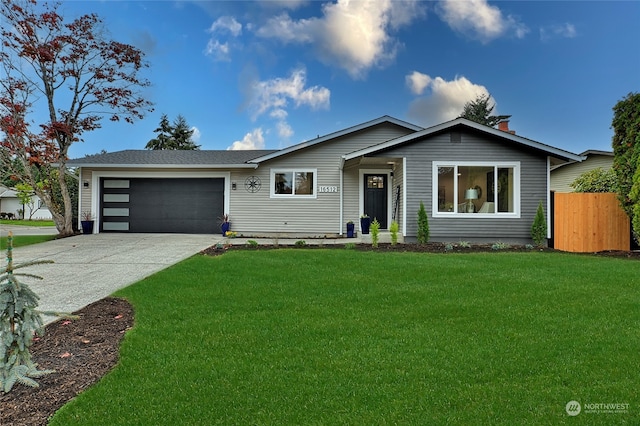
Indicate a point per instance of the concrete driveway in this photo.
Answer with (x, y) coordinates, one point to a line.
(88, 268)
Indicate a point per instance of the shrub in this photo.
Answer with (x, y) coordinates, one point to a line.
(448, 247)
(423, 225)
(464, 244)
(375, 232)
(19, 322)
(394, 232)
(300, 243)
(539, 227)
(500, 246)
(252, 243)
(596, 180)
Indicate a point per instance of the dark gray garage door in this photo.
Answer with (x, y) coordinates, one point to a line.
(187, 206)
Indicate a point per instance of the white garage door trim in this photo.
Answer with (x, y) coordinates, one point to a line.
(96, 175)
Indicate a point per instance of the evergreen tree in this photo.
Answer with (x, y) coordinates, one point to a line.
(626, 156)
(539, 227)
(182, 134)
(423, 225)
(173, 137)
(480, 109)
(19, 320)
(164, 140)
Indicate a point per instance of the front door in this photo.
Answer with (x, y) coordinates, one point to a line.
(375, 198)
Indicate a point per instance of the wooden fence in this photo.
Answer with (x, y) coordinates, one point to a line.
(589, 222)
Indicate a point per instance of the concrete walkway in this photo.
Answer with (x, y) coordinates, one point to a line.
(88, 268)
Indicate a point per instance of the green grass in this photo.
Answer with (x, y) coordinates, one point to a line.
(25, 240)
(27, 222)
(318, 336)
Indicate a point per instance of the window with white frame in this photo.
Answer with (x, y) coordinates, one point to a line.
(489, 189)
(293, 183)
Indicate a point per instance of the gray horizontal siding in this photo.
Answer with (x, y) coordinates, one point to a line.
(257, 212)
(421, 154)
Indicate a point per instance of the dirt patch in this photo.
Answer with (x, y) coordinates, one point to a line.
(81, 351)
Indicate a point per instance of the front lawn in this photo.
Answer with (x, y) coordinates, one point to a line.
(330, 336)
(25, 240)
(27, 222)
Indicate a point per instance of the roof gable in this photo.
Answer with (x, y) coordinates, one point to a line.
(339, 133)
(468, 124)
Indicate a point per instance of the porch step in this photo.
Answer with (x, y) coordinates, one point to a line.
(384, 237)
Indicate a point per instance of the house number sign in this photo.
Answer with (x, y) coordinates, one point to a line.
(327, 188)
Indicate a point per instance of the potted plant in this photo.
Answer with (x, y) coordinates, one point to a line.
(365, 223)
(225, 225)
(350, 229)
(87, 223)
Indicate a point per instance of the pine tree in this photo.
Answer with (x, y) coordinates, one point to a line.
(479, 110)
(164, 140)
(423, 225)
(19, 321)
(539, 227)
(182, 134)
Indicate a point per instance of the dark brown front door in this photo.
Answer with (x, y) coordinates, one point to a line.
(375, 198)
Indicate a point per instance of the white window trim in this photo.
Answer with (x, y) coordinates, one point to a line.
(293, 196)
(515, 165)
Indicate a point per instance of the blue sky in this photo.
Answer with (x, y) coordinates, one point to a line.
(271, 74)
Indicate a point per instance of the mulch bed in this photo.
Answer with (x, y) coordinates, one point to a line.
(85, 349)
(81, 351)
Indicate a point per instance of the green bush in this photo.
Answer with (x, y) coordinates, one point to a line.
(300, 243)
(394, 232)
(596, 180)
(423, 225)
(252, 243)
(375, 232)
(539, 227)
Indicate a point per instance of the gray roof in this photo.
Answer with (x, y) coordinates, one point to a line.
(141, 157)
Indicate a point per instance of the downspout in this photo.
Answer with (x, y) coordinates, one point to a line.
(548, 197)
(404, 197)
(341, 195)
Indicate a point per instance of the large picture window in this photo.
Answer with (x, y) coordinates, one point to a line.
(473, 189)
(293, 183)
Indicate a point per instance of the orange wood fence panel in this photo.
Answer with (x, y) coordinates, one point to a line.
(589, 222)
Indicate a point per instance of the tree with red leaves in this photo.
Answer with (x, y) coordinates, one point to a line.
(72, 74)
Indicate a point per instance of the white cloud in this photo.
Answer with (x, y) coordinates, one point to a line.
(195, 136)
(226, 24)
(274, 95)
(284, 130)
(417, 82)
(353, 35)
(478, 19)
(445, 100)
(219, 51)
(253, 140)
(565, 30)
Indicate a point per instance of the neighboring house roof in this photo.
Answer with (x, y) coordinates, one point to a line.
(8, 193)
(349, 130)
(464, 123)
(171, 158)
(563, 175)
